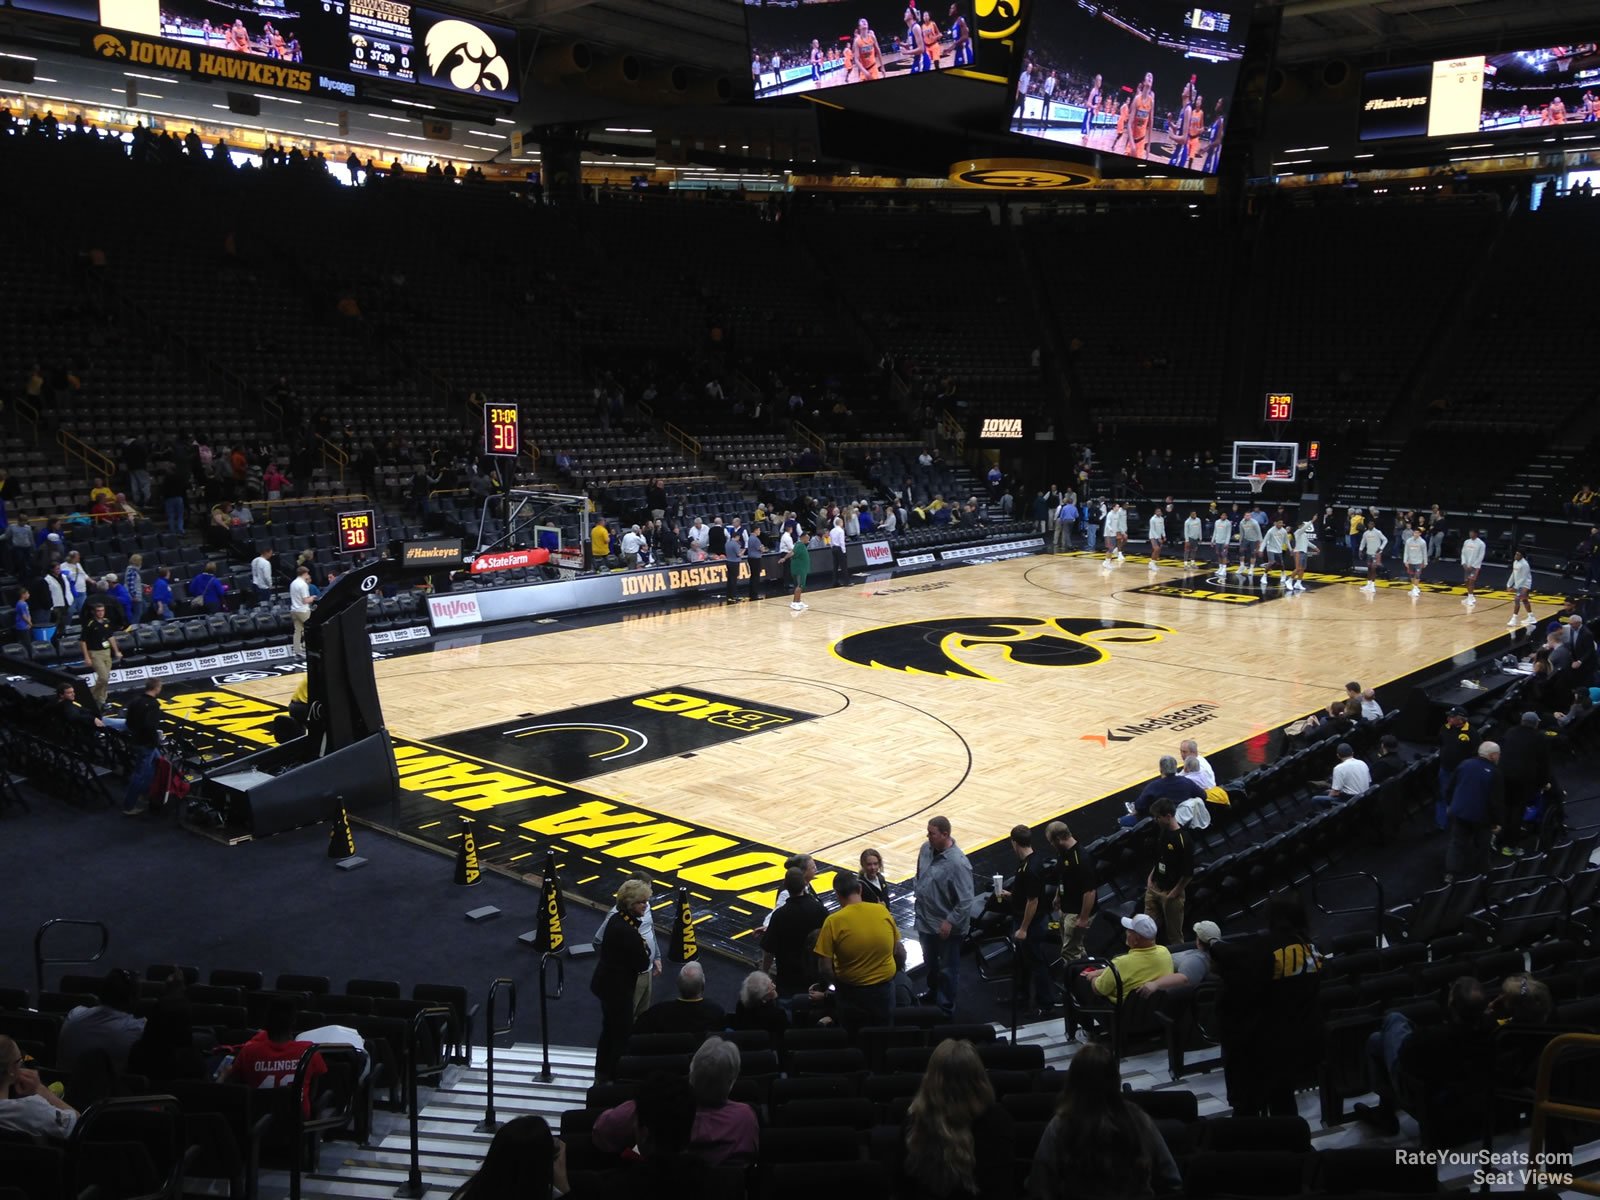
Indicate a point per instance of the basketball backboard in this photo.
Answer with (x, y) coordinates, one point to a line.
(1275, 460)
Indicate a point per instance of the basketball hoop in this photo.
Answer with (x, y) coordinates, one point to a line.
(1257, 482)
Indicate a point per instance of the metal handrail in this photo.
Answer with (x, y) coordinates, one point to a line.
(29, 412)
(545, 1075)
(413, 1187)
(489, 1124)
(334, 454)
(1544, 1108)
(687, 441)
(1377, 885)
(73, 446)
(811, 439)
(40, 962)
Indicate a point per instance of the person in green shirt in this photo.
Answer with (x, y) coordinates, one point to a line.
(797, 553)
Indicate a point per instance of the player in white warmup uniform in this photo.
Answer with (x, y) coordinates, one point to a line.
(1221, 535)
(1415, 555)
(1520, 582)
(1274, 544)
(1472, 552)
(1116, 532)
(1305, 542)
(1372, 543)
(1192, 533)
(1249, 544)
(1157, 535)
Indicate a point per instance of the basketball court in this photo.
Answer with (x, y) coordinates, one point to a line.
(705, 744)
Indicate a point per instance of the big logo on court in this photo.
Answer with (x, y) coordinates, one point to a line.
(945, 645)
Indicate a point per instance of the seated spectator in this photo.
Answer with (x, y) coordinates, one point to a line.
(1581, 504)
(1189, 748)
(1371, 710)
(525, 1162)
(661, 1161)
(123, 510)
(1168, 785)
(271, 1058)
(1190, 967)
(100, 492)
(1409, 1066)
(1192, 772)
(1143, 962)
(759, 1007)
(1351, 777)
(1352, 701)
(108, 1026)
(1388, 762)
(1099, 1144)
(724, 1131)
(1523, 1001)
(691, 1012)
(166, 1050)
(1582, 702)
(27, 1106)
(957, 1141)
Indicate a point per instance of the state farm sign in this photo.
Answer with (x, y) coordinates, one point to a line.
(509, 560)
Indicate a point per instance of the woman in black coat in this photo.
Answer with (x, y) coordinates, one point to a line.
(623, 954)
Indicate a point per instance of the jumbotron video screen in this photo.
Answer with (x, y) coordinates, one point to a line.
(1146, 79)
(824, 44)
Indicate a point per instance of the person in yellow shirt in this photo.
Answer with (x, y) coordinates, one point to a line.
(101, 492)
(1144, 962)
(855, 949)
(599, 542)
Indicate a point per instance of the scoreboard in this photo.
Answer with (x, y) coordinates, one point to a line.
(357, 531)
(502, 433)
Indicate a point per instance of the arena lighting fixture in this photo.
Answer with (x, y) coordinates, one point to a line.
(414, 104)
(153, 78)
(19, 57)
(504, 121)
(279, 99)
(612, 129)
(489, 133)
(123, 91)
(473, 146)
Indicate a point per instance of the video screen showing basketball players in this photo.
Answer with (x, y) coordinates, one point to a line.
(822, 44)
(275, 29)
(1529, 89)
(1148, 79)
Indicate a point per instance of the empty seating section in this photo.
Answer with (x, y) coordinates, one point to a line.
(1151, 358)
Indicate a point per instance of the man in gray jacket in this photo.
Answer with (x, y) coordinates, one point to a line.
(944, 902)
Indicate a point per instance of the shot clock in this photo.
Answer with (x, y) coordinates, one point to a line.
(356, 532)
(1280, 406)
(501, 430)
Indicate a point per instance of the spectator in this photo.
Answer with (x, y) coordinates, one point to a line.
(1476, 810)
(1371, 710)
(1026, 911)
(19, 543)
(1352, 701)
(524, 1163)
(944, 901)
(107, 1026)
(1189, 748)
(1457, 743)
(807, 866)
(1168, 881)
(206, 590)
(77, 577)
(599, 543)
(1192, 771)
(300, 604)
(1168, 785)
(99, 647)
(644, 986)
(664, 1112)
(1099, 1143)
(118, 603)
(632, 543)
(166, 1049)
(1411, 1066)
(272, 1057)
(691, 1012)
(22, 618)
(1388, 763)
(1267, 1013)
(874, 887)
(143, 727)
(99, 491)
(1524, 763)
(1190, 967)
(1582, 504)
(27, 1106)
(274, 482)
(161, 598)
(784, 952)
(855, 952)
(174, 495)
(1075, 889)
(957, 1141)
(623, 954)
(261, 576)
(725, 1132)
(759, 1006)
(59, 592)
(1144, 961)
(1351, 777)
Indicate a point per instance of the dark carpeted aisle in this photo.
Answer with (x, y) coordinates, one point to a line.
(278, 905)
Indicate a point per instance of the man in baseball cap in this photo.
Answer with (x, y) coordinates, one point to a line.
(1143, 962)
(1190, 966)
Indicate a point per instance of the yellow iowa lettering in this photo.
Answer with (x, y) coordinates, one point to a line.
(591, 814)
(464, 784)
(660, 847)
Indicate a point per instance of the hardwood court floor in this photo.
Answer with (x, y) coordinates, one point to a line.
(1034, 729)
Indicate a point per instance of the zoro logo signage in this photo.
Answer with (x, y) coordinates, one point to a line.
(951, 646)
(467, 57)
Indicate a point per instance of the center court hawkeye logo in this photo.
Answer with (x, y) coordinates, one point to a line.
(467, 56)
(944, 645)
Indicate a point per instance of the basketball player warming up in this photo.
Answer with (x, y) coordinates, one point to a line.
(869, 57)
(1140, 118)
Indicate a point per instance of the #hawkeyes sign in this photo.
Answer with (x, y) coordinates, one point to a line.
(951, 646)
(1023, 174)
